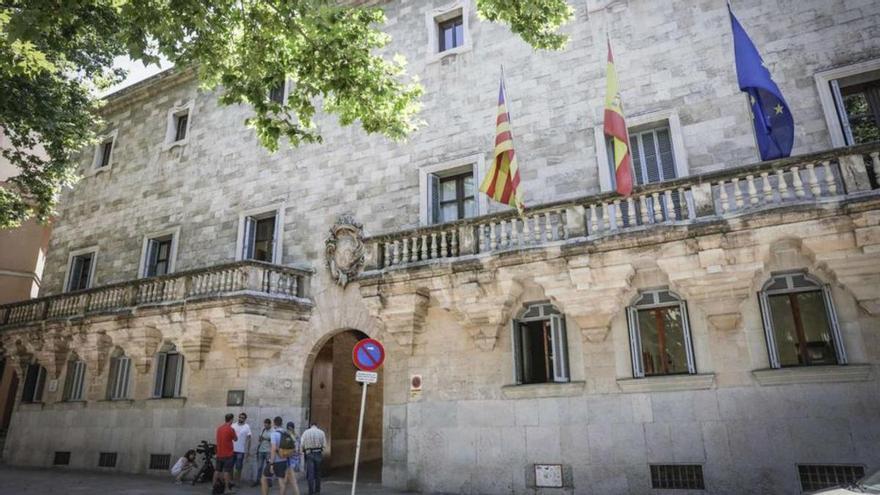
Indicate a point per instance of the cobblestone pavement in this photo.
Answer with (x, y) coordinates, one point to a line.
(56, 482)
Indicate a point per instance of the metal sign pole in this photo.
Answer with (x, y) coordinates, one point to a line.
(357, 450)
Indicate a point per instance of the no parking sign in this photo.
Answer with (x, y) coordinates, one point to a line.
(368, 355)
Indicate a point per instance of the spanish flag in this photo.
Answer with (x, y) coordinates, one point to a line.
(615, 128)
(502, 180)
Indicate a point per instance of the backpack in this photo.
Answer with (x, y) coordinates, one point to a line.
(287, 445)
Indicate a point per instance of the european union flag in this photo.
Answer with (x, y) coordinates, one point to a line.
(774, 125)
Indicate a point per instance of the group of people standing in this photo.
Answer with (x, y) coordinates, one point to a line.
(280, 454)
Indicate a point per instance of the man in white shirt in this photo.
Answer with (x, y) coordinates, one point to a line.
(313, 442)
(242, 445)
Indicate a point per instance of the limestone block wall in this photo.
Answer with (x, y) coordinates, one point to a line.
(672, 57)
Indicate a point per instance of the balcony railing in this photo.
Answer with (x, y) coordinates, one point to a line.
(780, 183)
(240, 278)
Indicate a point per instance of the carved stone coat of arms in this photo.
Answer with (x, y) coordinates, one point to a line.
(344, 249)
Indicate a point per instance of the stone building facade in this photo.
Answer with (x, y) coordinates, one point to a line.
(717, 329)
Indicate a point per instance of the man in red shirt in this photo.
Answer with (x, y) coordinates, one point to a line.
(225, 456)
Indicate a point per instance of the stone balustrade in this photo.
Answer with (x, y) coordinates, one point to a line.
(831, 175)
(239, 278)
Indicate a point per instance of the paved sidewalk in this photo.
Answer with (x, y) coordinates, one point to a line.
(57, 481)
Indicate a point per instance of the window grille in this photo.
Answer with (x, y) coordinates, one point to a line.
(818, 477)
(61, 459)
(677, 476)
(160, 461)
(107, 459)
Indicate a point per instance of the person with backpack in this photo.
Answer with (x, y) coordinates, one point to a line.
(282, 447)
(293, 462)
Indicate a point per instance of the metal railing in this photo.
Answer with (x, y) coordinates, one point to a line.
(243, 277)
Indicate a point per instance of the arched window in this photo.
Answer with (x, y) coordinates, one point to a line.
(660, 337)
(34, 383)
(800, 322)
(169, 372)
(540, 345)
(120, 375)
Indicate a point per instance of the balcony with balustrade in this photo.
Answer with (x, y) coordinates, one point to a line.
(838, 177)
(251, 282)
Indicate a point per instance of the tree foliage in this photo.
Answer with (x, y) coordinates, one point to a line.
(56, 54)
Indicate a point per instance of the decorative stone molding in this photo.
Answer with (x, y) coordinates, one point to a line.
(196, 345)
(812, 374)
(668, 383)
(401, 315)
(344, 250)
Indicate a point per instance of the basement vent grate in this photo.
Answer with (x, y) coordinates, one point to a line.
(61, 459)
(160, 461)
(818, 477)
(107, 459)
(677, 476)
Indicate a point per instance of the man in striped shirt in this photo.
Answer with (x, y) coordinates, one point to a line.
(313, 441)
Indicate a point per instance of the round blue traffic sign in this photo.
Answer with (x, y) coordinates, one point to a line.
(368, 354)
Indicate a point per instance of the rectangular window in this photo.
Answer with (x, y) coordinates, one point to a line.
(453, 197)
(677, 477)
(106, 150)
(107, 459)
(820, 477)
(540, 347)
(61, 459)
(80, 275)
(801, 329)
(120, 370)
(857, 99)
(180, 123)
(660, 340)
(159, 256)
(259, 240)
(277, 94)
(75, 380)
(160, 461)
(34, 382)
(652, 156)
(169, 375)
(451, 33)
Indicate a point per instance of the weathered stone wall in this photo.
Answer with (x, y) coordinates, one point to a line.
(671, 55)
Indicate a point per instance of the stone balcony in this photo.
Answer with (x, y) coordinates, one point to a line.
(241, 279)
(577, 249)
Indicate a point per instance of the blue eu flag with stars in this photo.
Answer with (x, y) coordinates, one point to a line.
(774, 126)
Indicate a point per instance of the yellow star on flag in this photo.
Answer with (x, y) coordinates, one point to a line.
(778, 109)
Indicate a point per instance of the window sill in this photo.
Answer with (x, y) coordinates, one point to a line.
(669, 383)
(165, 403)
(438, 56)
(114, 404)
(542, 390)
(174, 144)
(69, 404)
(31, 406)
(813, 374)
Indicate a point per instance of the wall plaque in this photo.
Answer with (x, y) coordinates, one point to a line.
(548, 475)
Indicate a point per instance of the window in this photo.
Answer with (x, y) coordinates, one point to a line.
(61, 459)
(103, 157)
(158, 256)
(820, 477)
(259, 235)
(800, 322)
(34, 383)
(177, 131)
(451, 33)
(169, 373)
(160, 461)
(73, 383)
(119, 376)
(278, 93)
(449, 190)
(857, 99)
(652, 156)
(677, 477)
(107, 459)
(660, 341)
(540, 345)
(453, 197)
(82, 268)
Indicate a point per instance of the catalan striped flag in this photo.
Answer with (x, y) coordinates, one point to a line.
(615, 128)
(502, 180)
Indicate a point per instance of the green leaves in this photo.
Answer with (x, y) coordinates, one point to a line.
(54, 53)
